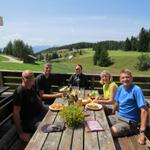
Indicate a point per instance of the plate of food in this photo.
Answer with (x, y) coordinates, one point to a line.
(56, 106)
(94, 106)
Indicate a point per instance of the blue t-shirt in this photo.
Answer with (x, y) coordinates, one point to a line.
(130, 101)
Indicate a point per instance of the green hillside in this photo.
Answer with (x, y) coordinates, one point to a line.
(121, 59)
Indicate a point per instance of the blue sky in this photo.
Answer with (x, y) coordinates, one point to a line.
(59, 22)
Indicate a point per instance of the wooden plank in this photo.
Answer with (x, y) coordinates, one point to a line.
(6, 119)
(130, 143)
(18, 145)
(123, 143)
(77, 143)
(7, 140)
(53, 139)
(5, 99)
(134, 144)
(105, 137)
(39, 137)
(66, 141)
(90, 138)
(6, 110)
(3, 89)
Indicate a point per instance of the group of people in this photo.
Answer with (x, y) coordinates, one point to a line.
(124, 105)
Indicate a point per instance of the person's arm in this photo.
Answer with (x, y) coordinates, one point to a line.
(17, 120)
(70, 81)
(115, 107)
(111, 98)
(43, 109)
(144, 115)
(48, 96)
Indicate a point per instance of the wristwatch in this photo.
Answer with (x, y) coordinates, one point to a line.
(142, 130)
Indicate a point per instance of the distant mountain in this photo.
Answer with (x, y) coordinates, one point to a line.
(69, 46)
(38, 48)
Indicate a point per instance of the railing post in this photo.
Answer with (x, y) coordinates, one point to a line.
(1, 79)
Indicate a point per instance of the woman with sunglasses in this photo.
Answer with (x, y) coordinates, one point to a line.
(78, 79)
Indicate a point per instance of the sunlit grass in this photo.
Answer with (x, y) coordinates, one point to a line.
(121, 60)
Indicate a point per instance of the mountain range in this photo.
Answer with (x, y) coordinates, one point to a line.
(38, 48)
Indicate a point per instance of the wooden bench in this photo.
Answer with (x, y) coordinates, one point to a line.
(3, 89)
(8, 136)
(130, 142)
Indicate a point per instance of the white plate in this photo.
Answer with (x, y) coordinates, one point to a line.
(98, 106)
(55, 109)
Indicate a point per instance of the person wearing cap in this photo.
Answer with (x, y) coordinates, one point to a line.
(28, 110)
(131, 109)
(78, 79)
(109, 90)
(43, 86)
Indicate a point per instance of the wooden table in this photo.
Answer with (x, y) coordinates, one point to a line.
(72, 139)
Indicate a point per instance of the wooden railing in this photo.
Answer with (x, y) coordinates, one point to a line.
(13, 79)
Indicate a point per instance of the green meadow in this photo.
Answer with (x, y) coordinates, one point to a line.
(121, 60)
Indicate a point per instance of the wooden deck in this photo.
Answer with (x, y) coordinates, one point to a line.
(13, 79)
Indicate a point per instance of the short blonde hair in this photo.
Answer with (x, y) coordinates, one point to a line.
(107, 73)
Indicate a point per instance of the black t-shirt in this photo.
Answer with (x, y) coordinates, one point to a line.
(29, 102)
(79, 80)
(43, 83)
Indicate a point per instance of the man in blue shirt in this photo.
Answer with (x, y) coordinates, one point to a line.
(131, 109)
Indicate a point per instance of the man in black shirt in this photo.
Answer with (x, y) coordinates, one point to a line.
(78, 79)
(28, 110)
(43, 86)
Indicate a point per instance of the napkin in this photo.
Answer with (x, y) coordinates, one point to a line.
(52, 128)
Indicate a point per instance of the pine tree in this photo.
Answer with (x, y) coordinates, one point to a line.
(101, 56)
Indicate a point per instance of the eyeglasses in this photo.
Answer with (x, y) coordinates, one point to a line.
(48, 67)
(77, 68)
(29, 77)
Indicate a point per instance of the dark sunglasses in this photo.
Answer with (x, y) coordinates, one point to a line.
(29, 77)
(77, 68)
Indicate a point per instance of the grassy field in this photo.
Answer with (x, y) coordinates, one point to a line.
(121, 60)
(3, 58)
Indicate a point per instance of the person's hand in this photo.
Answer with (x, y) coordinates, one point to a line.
(113, 112)
(98, 97)
(59, 95)
(141, 138)
(25, 137)
(65, 93)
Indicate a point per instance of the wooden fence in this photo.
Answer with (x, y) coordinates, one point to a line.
(13, 79)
